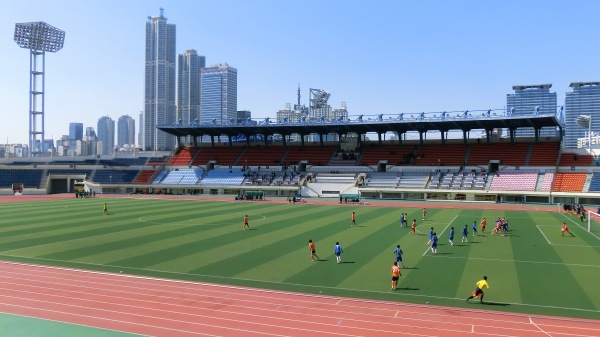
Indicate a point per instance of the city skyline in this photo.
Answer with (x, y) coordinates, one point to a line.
(386, 57)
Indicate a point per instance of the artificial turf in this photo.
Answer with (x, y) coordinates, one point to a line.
(533, 270)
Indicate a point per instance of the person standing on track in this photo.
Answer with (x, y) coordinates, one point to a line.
(312, 250)
(246, 223)
(479, 289)
(395, 275)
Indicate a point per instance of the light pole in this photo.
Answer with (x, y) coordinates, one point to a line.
(585, 121)
(38, 37)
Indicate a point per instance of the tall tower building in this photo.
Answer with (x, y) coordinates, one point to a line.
(159, 83)
(75, 132)
(219, 93)
(106, 134)
(125, 131)
(584, 99)
(188, 86)
(525, 101)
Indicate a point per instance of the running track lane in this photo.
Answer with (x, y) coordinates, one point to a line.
(159, 307)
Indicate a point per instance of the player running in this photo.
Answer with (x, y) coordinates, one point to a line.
(413, 226)
(483, 223)
(398, 252)
(474, 228)
(395, 275)
(479, 289)
(565, 229)
(312, 250)
(465, 234)
(451, 237)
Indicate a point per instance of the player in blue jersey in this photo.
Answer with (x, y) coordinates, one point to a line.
(451, 238)
(465, 233)
(434, 242)
(398, 252)
(337, 249)
(430, 236)
(474, 228)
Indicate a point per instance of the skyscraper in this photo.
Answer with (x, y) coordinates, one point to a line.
(584, 99)
(75, 132)
(525, 101)
(219, 93)
(159, 84)
(188, 86)
(125, 131)
(106, 134)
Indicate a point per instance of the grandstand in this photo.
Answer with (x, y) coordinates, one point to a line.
(480, 169)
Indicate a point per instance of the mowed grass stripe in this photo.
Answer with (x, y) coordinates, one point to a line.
(246, 248)
(189, 255)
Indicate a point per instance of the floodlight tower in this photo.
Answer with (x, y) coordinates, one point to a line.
(38, 37)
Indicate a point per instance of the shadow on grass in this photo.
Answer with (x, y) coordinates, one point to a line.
(496, 303)
(346, 262)
(408, 288)
(443, 253)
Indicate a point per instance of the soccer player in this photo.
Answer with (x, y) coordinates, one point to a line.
(424, 212)
(465, 233)
(474, 228)
(395, 275)
(434, 241)
(479, 289)
(312, 250)
(105, 209)
(430, 236)
(413, 226)
(246, 224)
(353, 219)
(483, 223)
(451, 238)
(565, 229)
(402, 220)
(337, 249)
(498, 226)
(398, 251)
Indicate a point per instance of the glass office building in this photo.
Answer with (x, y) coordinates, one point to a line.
(188, 86)
(125, 131)
(219, 94)
(584, 99)
(106, 134)
(526, 99)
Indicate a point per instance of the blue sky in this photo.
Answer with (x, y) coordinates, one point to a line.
(377, 56)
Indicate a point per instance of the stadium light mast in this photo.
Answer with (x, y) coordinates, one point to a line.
(38, 37)
(585, 121)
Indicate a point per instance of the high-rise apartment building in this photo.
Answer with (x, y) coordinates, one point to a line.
(219, 94)
(125, 131)
(584, 99)
(159, 83)
(529, 100)
(188, 86)
(106, 134)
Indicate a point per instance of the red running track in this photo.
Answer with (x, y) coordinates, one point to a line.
(170, 308)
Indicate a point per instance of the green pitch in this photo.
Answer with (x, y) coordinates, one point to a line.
(534, 270)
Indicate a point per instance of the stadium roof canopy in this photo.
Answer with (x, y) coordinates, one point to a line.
(421, 122)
